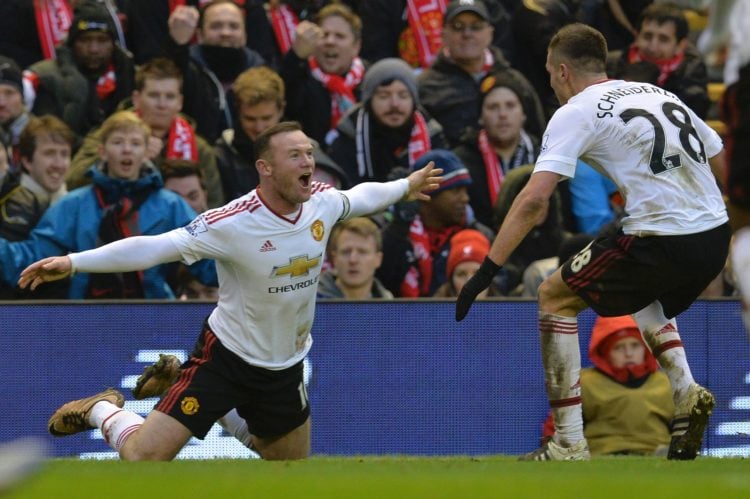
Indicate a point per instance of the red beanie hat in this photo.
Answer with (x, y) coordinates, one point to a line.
(467, 245)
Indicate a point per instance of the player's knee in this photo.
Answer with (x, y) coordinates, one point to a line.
(545, 293)
(556, 298)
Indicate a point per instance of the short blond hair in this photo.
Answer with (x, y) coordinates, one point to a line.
(123, 121)
(260, 84)
(362, 226)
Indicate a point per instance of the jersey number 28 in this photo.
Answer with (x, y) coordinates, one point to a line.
(679, 117)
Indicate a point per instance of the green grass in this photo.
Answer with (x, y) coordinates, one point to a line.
(393, 476)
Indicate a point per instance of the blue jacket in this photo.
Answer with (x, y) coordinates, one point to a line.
(72, 225)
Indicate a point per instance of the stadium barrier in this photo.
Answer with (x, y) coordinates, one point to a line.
(397, 377)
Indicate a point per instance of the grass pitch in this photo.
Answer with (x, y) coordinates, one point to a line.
(392, 476)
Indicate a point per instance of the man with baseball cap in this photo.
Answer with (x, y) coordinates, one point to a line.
(449, 89)
(90, 75)
(388, 128)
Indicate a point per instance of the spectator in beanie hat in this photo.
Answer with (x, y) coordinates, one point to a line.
(415, 252)
(388, 128)
(90, 75)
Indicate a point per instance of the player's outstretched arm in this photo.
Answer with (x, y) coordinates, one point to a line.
(423, 181)
(125, 255)
(48, 269)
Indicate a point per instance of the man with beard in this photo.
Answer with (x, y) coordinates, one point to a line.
(90, 75)
(387, 129)
(323, 71)
(210, 66)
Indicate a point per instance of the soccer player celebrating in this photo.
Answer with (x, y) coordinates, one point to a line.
(268, 246)
(674, 240)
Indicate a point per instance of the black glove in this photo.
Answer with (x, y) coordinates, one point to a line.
(474, 286)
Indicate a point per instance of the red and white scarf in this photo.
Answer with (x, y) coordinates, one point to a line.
(419, 142)
(416, 283)
(666, 66)
(427, 243)
(53, 18)
(425, 18)
(341, 88)
(284, 23)
(181, 143)
(106, 83)
(492, 166)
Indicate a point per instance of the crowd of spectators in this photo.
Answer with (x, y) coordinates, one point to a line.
(107, 105)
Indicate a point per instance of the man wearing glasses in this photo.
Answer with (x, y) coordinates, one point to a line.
(449, 89)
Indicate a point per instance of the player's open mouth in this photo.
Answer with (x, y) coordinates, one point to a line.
(304, 180)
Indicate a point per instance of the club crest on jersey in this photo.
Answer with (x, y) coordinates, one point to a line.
(297, 266)
(197, 226)
(317, 229)
(189, 406)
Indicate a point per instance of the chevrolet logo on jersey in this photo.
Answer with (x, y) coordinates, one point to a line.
(298, 266)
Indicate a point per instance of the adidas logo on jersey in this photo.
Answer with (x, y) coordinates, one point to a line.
(267, 246)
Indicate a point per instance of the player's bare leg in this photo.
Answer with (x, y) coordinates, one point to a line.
(160, 438)
(293, 445)
(561, 357)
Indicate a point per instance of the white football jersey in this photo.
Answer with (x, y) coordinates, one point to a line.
(268, 268)
(651, 145)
